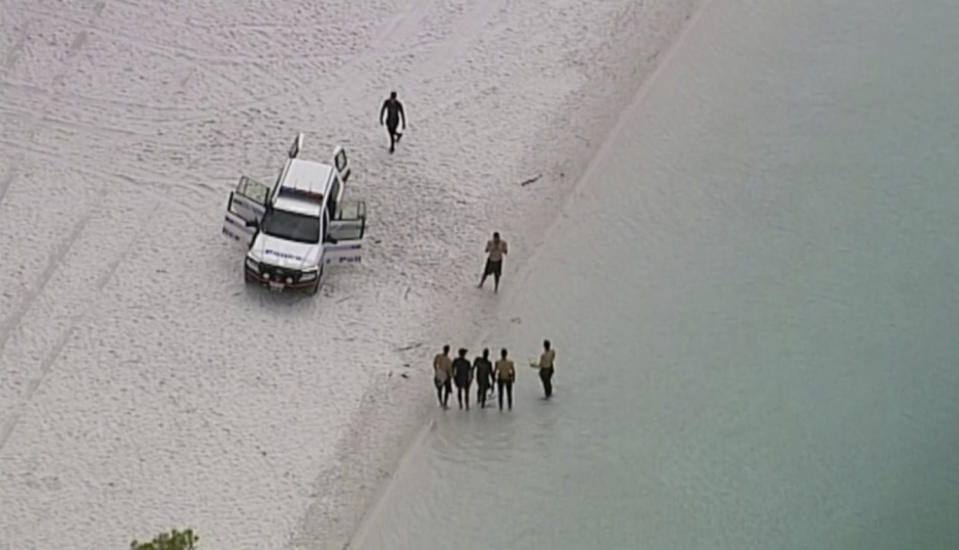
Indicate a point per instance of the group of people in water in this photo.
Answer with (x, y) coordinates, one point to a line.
(489, 377)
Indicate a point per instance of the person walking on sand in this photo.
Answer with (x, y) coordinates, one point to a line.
(546, 363)
(442, 373)
(483, 372)
(393, 110)
(496, 249)
(505, 376)
(462, 377)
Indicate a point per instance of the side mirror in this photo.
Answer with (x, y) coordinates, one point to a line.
(253, 223)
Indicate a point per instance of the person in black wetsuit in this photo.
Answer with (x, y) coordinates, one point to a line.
(393, 110)
(484, 377)
(462, 376)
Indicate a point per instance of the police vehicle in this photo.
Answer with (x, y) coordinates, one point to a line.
(299, 225)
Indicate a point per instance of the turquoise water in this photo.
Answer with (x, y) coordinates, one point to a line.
(753, 297)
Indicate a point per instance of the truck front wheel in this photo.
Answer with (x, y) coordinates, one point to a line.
(312, 289)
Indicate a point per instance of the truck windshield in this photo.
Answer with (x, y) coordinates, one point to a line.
(290, 226)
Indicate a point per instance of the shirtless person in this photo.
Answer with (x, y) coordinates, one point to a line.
(496, 248)
(393, 110)
(442, 375)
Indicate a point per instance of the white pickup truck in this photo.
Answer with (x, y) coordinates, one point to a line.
(299, 225)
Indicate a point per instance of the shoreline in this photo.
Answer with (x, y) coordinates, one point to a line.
(701, 250)
(416, 426)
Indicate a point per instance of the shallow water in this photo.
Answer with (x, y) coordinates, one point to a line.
(753, 298)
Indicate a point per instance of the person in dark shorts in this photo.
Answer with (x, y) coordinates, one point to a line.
(495, 248)
(505, 376)
(393, 110)
(463, 377)
(442, 376)
(483, 372)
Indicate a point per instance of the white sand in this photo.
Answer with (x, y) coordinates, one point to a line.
(142, 385)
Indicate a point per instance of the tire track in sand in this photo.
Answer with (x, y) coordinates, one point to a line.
(402, 26)
(76, 43)
(12, 322)
(10, 176)
(46, 364)
(14, 54)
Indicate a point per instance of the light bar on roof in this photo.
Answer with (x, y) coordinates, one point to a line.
(300, 193)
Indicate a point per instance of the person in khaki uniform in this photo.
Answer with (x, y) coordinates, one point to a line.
(496, 248)
(546, 363)
(443, 375)
(505, 376)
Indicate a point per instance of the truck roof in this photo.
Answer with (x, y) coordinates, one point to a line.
(302, 186)
(306, 176)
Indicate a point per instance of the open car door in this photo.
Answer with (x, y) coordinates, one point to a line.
(245, 209)
(342, 166)
(297, 146)
(344, 241)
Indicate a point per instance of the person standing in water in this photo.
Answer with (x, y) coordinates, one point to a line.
(484, 377)
(462, 376)
(442, 373)
(546, 364)
(496, 248)
(505, 376)
(393, 110)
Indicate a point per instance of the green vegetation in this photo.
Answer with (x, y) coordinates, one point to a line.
(174, 540)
